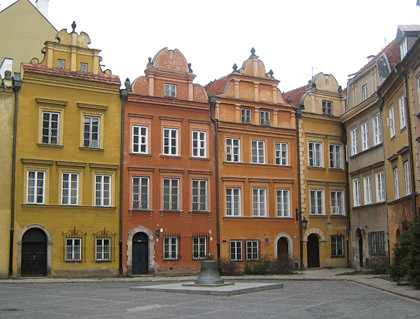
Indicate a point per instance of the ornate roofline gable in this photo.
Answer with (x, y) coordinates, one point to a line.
(170, 61)
(72, 38)
(326, 82)
(254, 67)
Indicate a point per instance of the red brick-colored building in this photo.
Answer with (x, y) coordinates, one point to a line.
(169, 212)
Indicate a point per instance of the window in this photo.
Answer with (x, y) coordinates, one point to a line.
(73, 249)
(407, 178)
(337, 246)
(315, 154)
(283, 203)
(396, 183)
(170, 194)
(337, 203)
(199, 247)
(170, 141)
(199, 195)
(367, 190)
(258, 152)
(69, 188)
(140, 193)
(252, 251)
(380, 187)
(140, 139)
(35, 187)
(335, 156)
(317, 202)
(265, 118)
(170, 248)
(403, 47)
(91, 131)
(327, 107)
(236, 250)
(232, 150)
(61, 64)
(403, 118)
(356, 192)
(282, 154)
(353, 137)
(103, 190)
(50, 127)
(83, 67)
(377, 138)
(170, 90)
(259, 205)
(391, 121)
(365, 136)
(246, 116)
(103, 249)
(233, 202)
(198, 144)
(376, 243)
(364, 92)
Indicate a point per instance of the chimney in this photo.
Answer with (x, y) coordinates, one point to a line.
(42, 6)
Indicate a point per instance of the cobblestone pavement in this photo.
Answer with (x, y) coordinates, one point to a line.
(298, 299)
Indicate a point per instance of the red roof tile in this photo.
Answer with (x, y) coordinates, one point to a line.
(103, 78)
(217, 86)
(295, 94)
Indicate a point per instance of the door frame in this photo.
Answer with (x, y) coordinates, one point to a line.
(129, 252)
(289, 242)
(308, 249)
(141, 246)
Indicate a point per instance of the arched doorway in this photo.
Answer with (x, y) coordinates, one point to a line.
(359, 237)
(140, 253)
(282, 249)
(34, 253)
(313, 250)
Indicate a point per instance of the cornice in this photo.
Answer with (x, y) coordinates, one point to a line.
(371, 102)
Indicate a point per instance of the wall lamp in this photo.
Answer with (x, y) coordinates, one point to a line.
(303, 222)
(158, 232)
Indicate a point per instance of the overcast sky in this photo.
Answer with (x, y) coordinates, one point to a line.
(294, 38)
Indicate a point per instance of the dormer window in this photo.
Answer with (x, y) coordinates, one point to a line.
(364, 92)
(83, 67)
(327, 107)
(61, 64)
(170, 90)
(265, 118)
(403, 48)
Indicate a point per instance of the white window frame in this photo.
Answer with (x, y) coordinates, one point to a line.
(317, 200)
(102, 249)
(35, 191)
(337, 202)
(315, 154)
(199, 144)
(235, 248)
(50, 128)
(246, 116)
(252, 250)
(170, 248)
(233, 202)
(73, 250)
(259, 202)
(199, 195)
(170, 90)
(364, 92)
(83, 67)
(380, 187)
(356, 193)
(233, 150)
(282, 154)
(365, 136)
(91, 137)
(170, 141)
(391, 121)
(265, 118)
(396, 183)
(403, 116)
(283, 203)
(337, 246)
(103, 189)
(258, 152)
(335, 156)
(377, 136)
(170, 190)
(199, 247)
(353, 138)
(140, 139)
(407, 177)
(69, 188)
(367, 190)
(140, 193)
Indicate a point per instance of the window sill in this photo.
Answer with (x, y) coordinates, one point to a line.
(199, 212)
(170, 156)
(50, 145)
(175, 259)
(103, 261)
(320, 168)
(91, 148)
(336, 169)
(199, 158)
(337, 215)
(135, 210)
(172, 211)
(318, 216)
(73, 261)
(141, 154)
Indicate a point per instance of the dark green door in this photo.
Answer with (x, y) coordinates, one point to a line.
(34, 253)
(140, 254)
(313, 251)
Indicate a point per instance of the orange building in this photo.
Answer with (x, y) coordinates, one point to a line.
(257, 165)
(169, 206)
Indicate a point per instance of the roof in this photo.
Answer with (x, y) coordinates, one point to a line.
(217, 86)
(295, 94)
(103, 78)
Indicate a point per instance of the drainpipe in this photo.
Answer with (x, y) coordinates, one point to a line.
(343, 134)
(17, 84)
(410, 141)
(212, 100)
(123, 95)
(298, 114)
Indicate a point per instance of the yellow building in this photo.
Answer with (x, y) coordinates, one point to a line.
(322, 172)
(67, 163)
(26, 29)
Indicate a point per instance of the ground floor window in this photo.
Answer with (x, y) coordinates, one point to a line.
(103, 249)
(376, 243)
(73, 249)
(252, 250)
(236, 250)
(199, 247)
(170, 248)
(337, 246)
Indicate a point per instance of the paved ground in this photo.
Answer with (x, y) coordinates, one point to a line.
(312, 294)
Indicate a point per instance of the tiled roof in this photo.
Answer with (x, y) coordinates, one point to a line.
(295, 95)
(103, 78)
(217, 86)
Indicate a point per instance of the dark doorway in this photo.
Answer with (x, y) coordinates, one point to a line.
(360, 240)
(140, 254)
(313, 251)
(282, 249)
(34, 253)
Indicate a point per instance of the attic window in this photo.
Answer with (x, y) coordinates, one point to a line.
(364, 92)
(327, 107)
(61, 64)
(403, 48)
(83, 67)
(170, 90)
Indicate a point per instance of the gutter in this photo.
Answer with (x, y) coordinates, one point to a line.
(17, 84)
(298, 114)
(348, 225)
